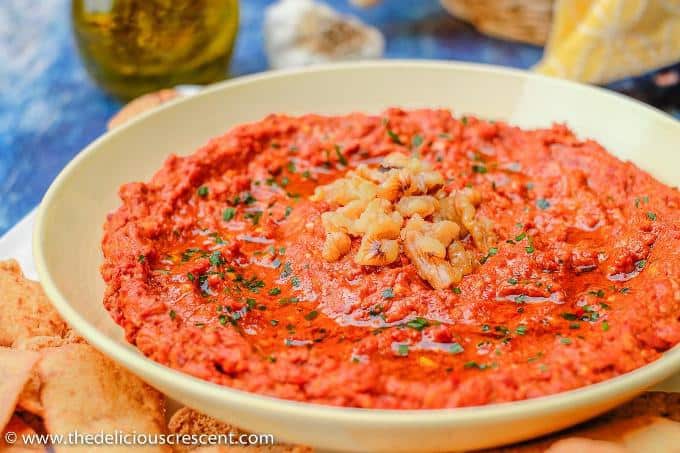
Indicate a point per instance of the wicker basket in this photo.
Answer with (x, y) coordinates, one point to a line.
(520, 20)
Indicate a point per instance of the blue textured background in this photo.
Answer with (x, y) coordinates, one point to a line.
(49, 109)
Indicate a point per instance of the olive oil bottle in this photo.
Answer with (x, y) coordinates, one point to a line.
(132, 47)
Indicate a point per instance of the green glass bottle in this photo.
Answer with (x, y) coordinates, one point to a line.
(132, 47)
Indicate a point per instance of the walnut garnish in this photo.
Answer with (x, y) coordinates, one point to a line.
(377, 252)
(460, 207)
(427, 255)
(373, 204)
(423, 205)
(337, 244)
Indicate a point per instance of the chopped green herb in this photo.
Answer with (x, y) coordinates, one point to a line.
(530, 248)
(249, 198)
(416, 141)
(520, 237)
(275, 291)
(202, 191)
(288, 300)
(387, 293)
(455, 348)
(464, 120)
(189, 253)
(512, 281)
(574, 325)
(457, 290)
(253, 284)
(216, 258)
(274, 322)
(288, 211)
(291, 167)
(191, 277)
(418, 323)
(306, 174)
(284, 181)
(605, 326)
(341, 159)
(565, 340)
(311, 315)
(393, 135)
(172, 314)
(223, 320)
(492, 252)
(478, 168)
(485, 327)
(521, 298)
(287, 270)
(599, 293)
(141, 258)
(569, 316)
(639, 265)
(218, 239)
(402, 349)
(254, 216)
(228, 214)
(521, 329)
(644, 199)
(250, 302)
(502, 330)
(542, 203)
(651, 216)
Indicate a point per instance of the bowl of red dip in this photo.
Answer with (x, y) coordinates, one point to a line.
(487, 258)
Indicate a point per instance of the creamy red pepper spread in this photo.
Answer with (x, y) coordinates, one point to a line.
(407, 260)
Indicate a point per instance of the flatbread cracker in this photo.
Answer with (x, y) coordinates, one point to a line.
(15, 370)
(188, 421)
(628, 435)
(25, 311)
(83, 391)
(29, 400)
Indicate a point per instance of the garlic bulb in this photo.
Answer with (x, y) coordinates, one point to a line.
(305, 32)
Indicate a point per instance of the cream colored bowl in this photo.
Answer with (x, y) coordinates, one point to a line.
(69, 228)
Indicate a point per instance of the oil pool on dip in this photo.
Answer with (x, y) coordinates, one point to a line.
(412, 259)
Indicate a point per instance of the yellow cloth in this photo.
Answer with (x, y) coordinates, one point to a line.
(599, 41)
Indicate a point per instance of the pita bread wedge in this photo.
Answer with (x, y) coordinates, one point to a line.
(15, 370)
(29, 400)
(83, 391)
(25, 311)
(17, 426)
(631, 435)
(188, 421)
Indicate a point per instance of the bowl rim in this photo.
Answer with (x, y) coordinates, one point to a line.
(126, 355)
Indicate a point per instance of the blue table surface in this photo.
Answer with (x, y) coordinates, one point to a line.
(50, 109)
